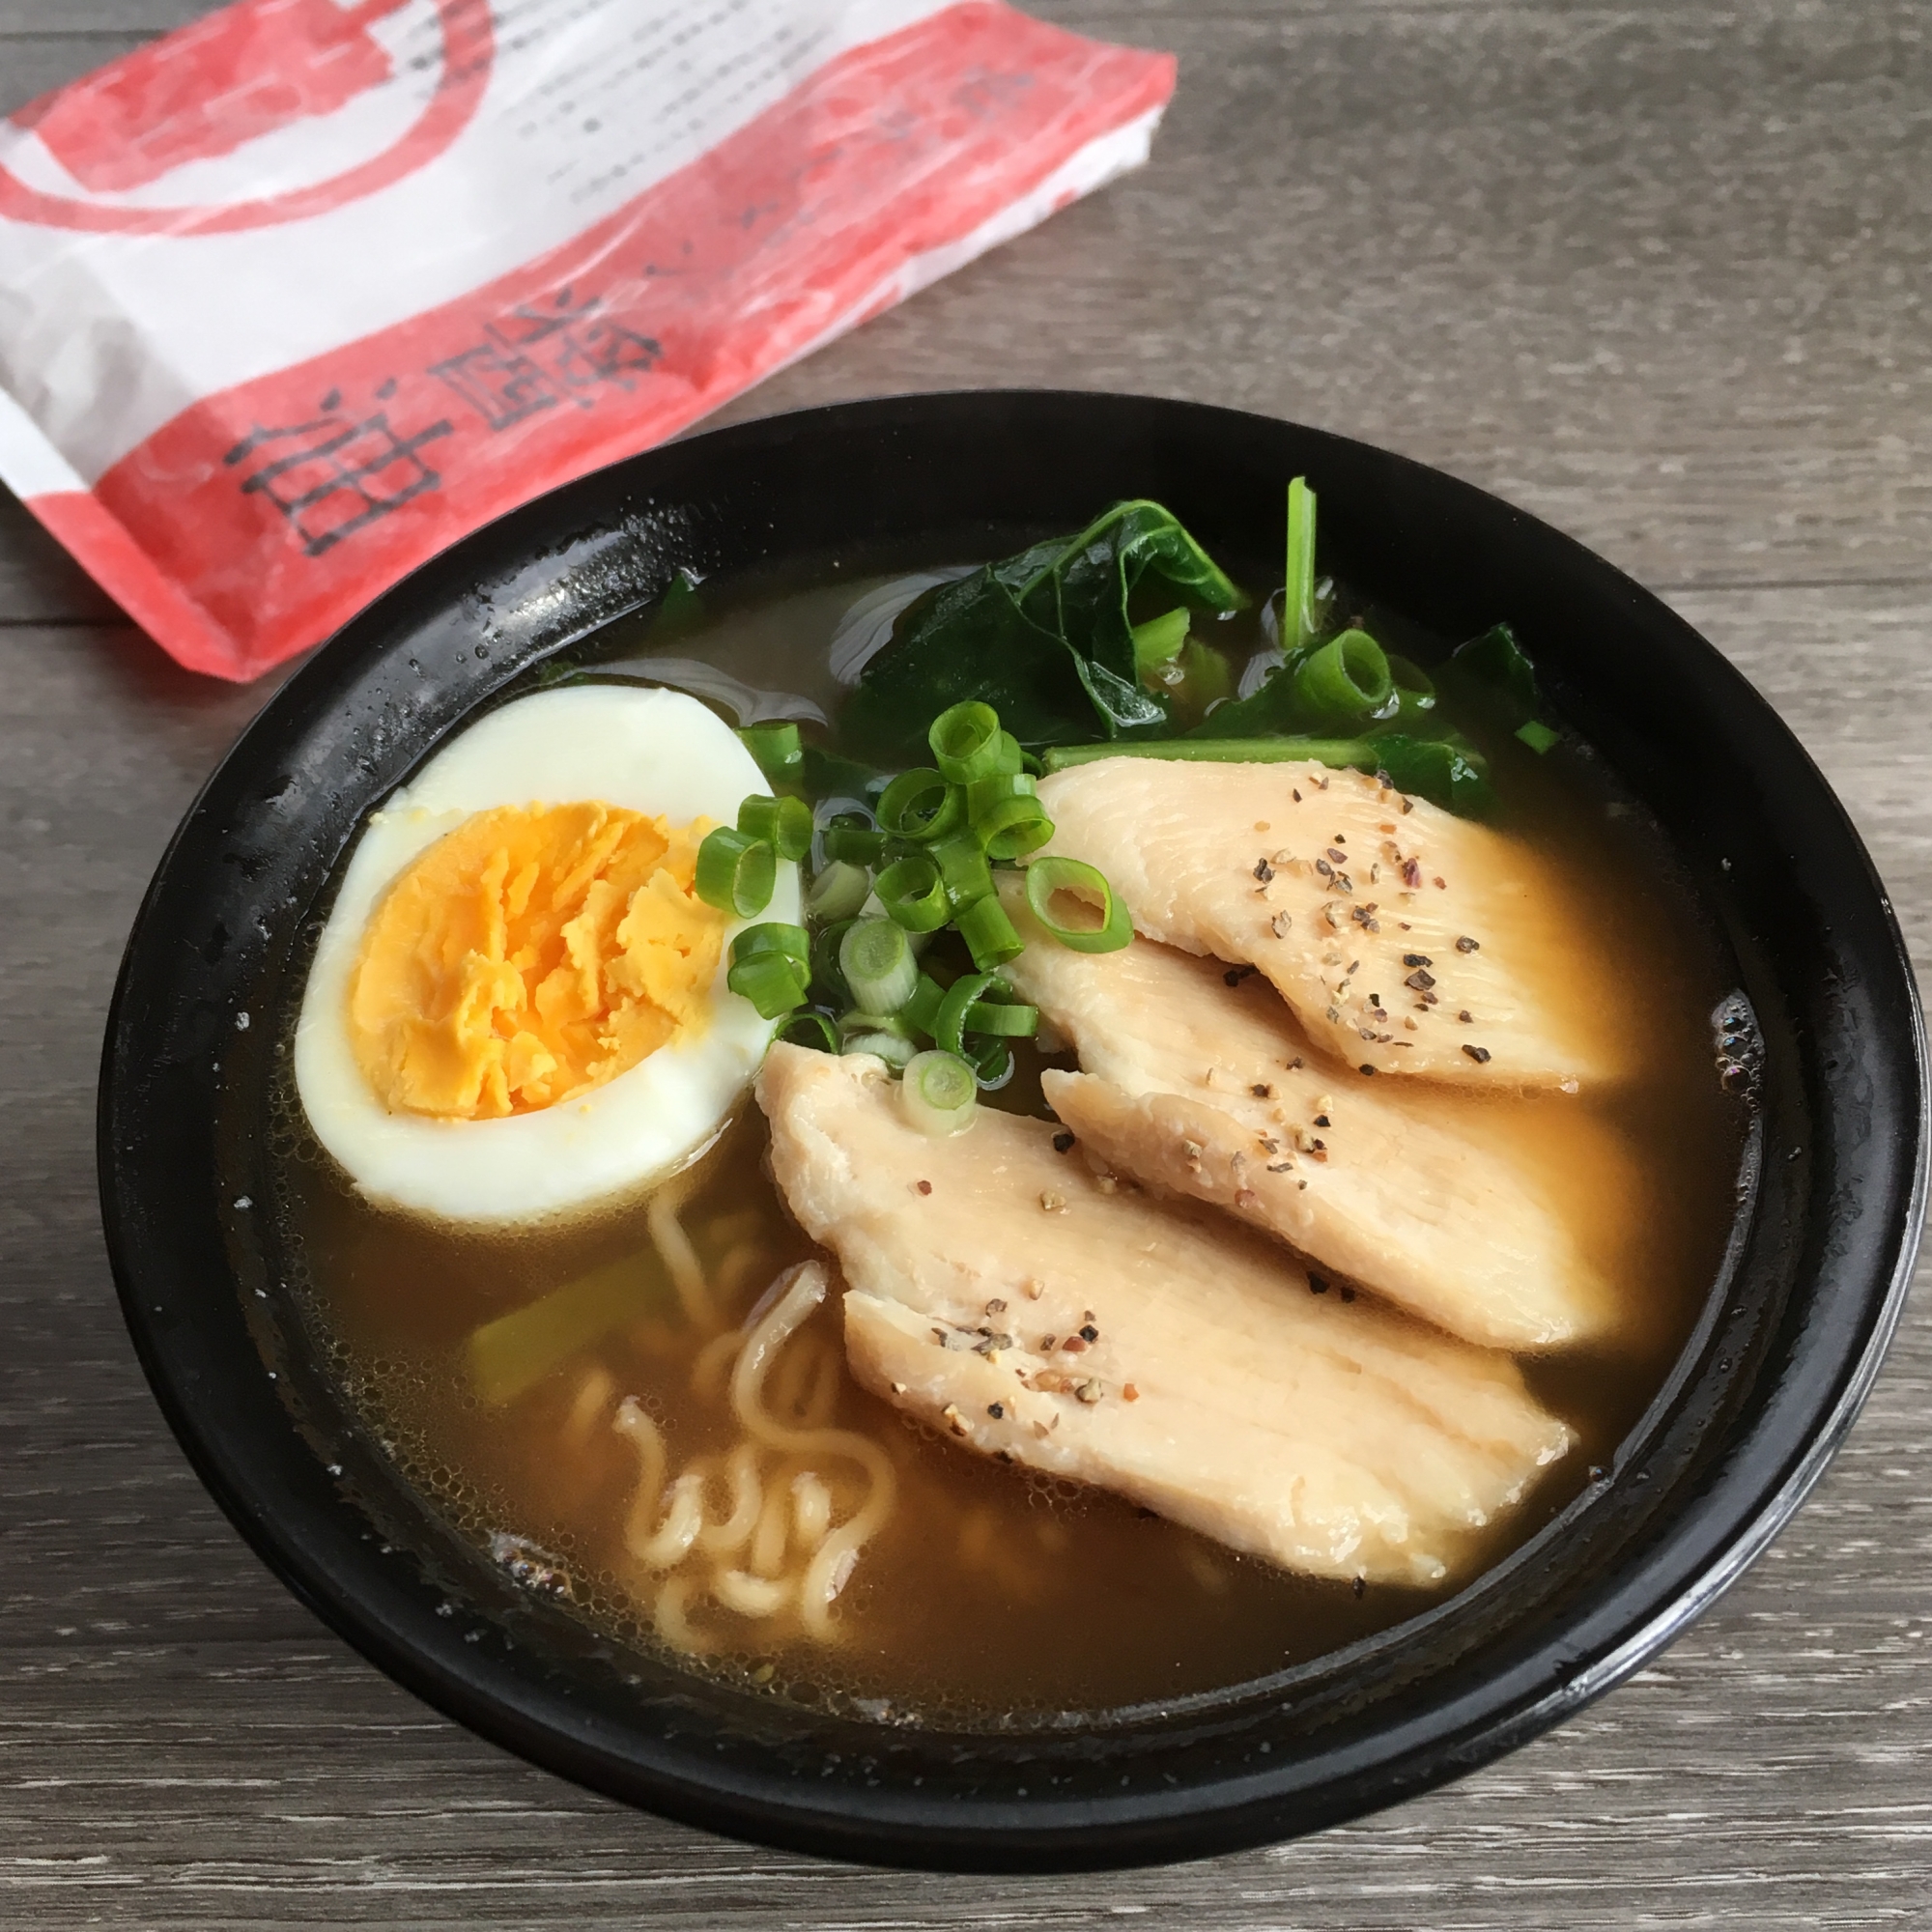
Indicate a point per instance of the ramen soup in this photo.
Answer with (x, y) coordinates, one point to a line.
(1025, 1140)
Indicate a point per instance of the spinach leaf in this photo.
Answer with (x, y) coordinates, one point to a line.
(961, 641)
(1043, 637)
(1449, 772)
(1493, 673)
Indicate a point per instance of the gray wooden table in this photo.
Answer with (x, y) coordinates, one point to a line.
(1659, 272)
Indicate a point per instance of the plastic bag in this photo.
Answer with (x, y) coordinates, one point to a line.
(294, 297)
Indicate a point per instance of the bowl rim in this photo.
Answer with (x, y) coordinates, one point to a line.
(1706, 1550)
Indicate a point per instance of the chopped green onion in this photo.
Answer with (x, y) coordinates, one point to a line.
(813, 1030)
(878, 966)
(736, 873)
(1111, 929)
(1158, 640)
(989, 934)
(940, 1093)
(963, 869)
(896, 1023)
(773, 982)
(891, 1048)
(1007, 819)
(1299, 617)
(1346, 681)
(921, 1010)
(949, 1025)
(1538, 736)
(854, 845)
(921, 805)
(965, 741)
(992, 1063)
(1336, 753)
(1011, 757)
(1008, 1020)
(910, 893)
(825, 973)
(838, 891)
(783, 823)
(773, 936)
(1414, 693)
(776, 748)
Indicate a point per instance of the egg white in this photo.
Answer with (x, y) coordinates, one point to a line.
(654, 752)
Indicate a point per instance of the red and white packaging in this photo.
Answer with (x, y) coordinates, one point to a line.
(294, 297)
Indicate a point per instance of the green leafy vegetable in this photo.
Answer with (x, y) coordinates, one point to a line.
(1157, 642)
(679, 609)
(1492, 673)
(1447, 773)
(1043, 637)
(824, 774)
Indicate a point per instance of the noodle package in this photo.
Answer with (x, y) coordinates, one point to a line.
(296, 296)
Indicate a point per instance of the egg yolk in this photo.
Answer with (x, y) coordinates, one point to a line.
(530, 954)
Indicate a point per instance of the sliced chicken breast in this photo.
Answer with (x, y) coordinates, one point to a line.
(1408, 941)
(1201, 1088)
(1040, 1313)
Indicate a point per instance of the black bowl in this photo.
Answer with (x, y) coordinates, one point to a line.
(1764, 1390)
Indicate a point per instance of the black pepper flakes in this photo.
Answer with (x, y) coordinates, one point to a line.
(1090, 1333)
(1478, 1054)
(1322, 1121)
(1235, 975)
(1411, 875)
(1360, 1584)
(1420, 979)
(1262, 1090)
(1417, 960)
(1348, 1294)
(1468, 945)
(1317, 1284)
(1263, 871)
(1063, 1142)
(997, 1410)
(1365, 1067)
(923, 1187)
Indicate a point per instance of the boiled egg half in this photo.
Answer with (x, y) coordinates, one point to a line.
(518, 1007)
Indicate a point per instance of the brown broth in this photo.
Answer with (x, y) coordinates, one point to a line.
(991, 1596)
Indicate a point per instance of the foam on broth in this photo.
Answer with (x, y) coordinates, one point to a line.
(990, 1596)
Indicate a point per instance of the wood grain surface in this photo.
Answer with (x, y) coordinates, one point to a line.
(1655, 271)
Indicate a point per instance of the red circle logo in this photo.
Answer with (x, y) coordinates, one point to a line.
(254, 36)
